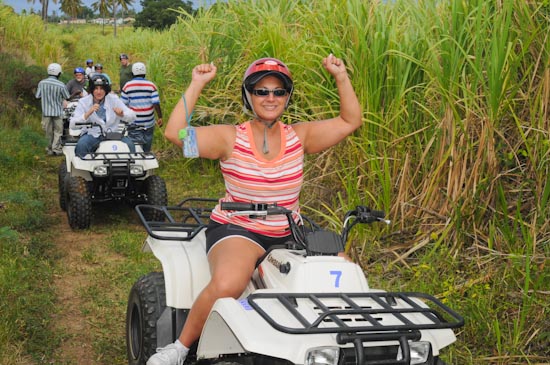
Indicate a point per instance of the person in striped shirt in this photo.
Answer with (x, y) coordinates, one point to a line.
(141, 95)
(53, 97)
(262, 162)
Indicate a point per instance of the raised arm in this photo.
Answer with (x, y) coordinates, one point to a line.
(202, 74)
(319, 135)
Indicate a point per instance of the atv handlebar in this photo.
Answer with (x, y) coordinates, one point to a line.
(305, 233)
(361, 214)
(254, 209)
(110, 134)
(366, 215)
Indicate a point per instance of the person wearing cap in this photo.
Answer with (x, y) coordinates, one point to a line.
(125, 70)
(53, 97)
(261, 161)
(77, 86)
(142, 96)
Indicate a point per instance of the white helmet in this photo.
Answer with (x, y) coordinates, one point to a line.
(138, 68)
(54, 69)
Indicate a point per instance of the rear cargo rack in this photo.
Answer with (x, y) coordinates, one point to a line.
(175, 220)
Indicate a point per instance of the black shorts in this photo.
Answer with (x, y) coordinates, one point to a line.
(216, 232)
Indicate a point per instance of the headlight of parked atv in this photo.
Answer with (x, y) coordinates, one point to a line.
(419, 352)
(100, 171)
(323, 356)
(136, 170)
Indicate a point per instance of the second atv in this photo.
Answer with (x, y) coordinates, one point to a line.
(111, 173)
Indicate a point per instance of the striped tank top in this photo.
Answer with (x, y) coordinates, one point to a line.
(251, 178)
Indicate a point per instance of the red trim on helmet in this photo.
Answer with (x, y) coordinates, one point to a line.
(267, 64)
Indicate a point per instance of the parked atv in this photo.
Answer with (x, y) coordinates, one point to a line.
(303, 305)
(111, 173)
(67, 114)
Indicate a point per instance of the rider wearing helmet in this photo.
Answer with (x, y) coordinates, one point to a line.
(142, 96)
(99, 70)
(90, 69)
(53, 96)
(260, 69)
(125, 70)
(77, 86)
(262, 162)
(102, 108)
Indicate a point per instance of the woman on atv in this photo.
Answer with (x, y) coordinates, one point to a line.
(262, 162)
(105, 110)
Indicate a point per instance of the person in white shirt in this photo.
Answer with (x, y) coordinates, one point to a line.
(104, 108)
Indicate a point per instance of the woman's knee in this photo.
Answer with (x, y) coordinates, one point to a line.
(227, 287)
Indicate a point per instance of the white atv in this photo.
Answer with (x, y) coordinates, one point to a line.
(303, 305)
(112, 172)
(67, 114)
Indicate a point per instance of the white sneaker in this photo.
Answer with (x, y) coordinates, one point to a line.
(169, 355)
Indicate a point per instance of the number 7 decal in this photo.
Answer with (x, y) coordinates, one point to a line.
(337, 275)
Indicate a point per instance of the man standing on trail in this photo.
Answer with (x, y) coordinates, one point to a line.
(125, 70)
(142, 96)
(53, 95)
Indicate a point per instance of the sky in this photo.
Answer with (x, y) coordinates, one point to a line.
(19, 5)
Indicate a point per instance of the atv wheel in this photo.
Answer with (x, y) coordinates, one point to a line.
(79, 203)
(146, 303)
(62, 174)
(155, 189)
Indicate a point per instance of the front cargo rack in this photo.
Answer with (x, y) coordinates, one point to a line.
(355, 312)
(122, 156)
(357, 318)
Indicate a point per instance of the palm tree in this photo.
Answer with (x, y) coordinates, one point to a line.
(44, 4)
(103, 6)
(124, 4)
(71, 7)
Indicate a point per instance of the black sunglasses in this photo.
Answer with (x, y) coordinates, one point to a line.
(265, 92)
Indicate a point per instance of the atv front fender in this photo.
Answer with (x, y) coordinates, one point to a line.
(185, 267)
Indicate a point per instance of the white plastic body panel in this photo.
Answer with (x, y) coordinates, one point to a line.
(84, 167)
(185, 267)
(311, 274)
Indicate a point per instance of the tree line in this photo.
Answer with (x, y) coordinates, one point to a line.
(155, 14)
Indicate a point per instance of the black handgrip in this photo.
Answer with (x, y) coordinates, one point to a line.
(367, 215)
(378, 213)
(237, 206)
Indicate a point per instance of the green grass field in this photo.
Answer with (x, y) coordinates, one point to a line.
(454, 147)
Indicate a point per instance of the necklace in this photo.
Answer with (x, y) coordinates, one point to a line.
(265, 148)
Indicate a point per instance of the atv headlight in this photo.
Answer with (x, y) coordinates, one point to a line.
(136, 170)
(101, 171)
(323, 356)
(419, 352)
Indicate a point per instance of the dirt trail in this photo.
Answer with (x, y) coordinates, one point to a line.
(70, 278)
